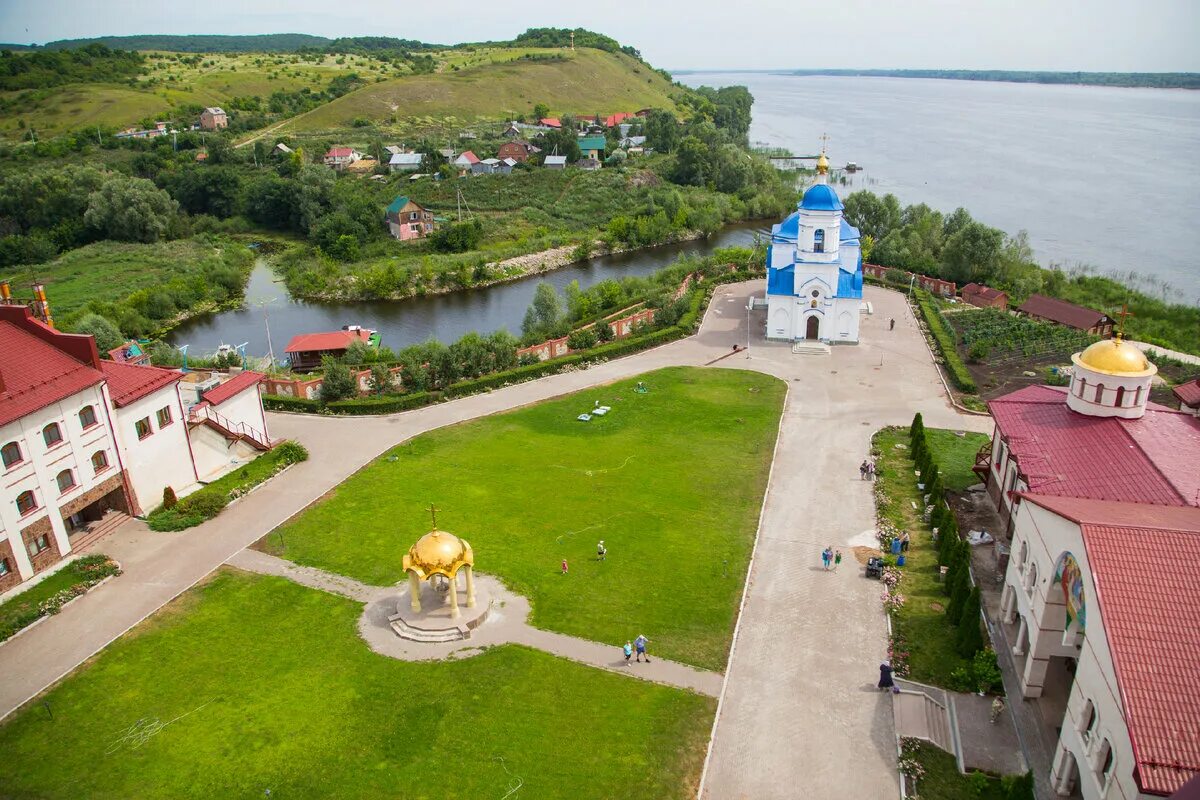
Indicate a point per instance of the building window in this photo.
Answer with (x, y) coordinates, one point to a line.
(39, 544)
(87, 417)
(1099, 392)
(1120, 396)
(819, 241)
(1137, 396)
(1023, 556)
(1087, 722)
(1105, 763)
(1012, 479)
(164, 417)
(5, 568)
(52, 434)
(66, 480)
(142, 427)
(99, 461)
(1082, 387)
(11, 453)
(26, 502)
(1031, 579)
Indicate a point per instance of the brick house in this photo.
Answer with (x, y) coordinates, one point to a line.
(984, 296)
(518, 151)
(1051, 309)
(406, 219)
(213, 118)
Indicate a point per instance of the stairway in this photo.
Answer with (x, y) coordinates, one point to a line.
(98, 530)
(233, 431)
(921, 715)
(406, 631)
(810, 347)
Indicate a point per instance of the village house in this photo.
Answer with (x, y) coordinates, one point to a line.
(555, 162)
(405, 162)
(159, 129)
(518, 151)
(305, 351)
(1098, 489)
(466, 160)
(213, 119)
(406, 219)
(1188, 395)
(341, 157)
(588, 164)
(84, 442)
(511, 130)
(592, 147)
(551, 122)
(1051, 309)
(984, 296)
(486, 167)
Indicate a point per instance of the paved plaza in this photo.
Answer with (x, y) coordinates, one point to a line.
(798, 713)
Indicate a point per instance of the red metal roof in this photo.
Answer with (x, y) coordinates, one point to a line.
(551, 122)
(331, 340)
(986, 292)
(130, 382)
(1062, 452)
(36, 373)
(340, 152)
(1143, 561)
(1062, 312)
(469, 156)
(232, 387)
(1188, 393)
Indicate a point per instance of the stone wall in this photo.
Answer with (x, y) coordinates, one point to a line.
(48, 556)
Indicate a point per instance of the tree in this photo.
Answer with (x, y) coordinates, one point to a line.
(692, 163)
(131, 210)
(540, 111)
(169, 498)
(662, 131)
(337, 382)
(545, 313)
(381, 379)
(972, 253)
(105, 332)
(970, 637)
(873, 215)
(960, 590)
(457, 237)
(561, 141)
(917, 427)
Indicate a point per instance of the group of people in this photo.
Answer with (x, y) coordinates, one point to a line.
(866, 470)
(831, 558)
(638, 644)
(601, 554)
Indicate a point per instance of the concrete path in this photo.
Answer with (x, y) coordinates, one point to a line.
(1186, 358)
(507, 623)
(800, 708)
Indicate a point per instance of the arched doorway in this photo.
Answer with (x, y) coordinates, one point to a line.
(812, 327)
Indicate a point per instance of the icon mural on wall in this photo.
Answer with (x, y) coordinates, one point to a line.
(1070, 577)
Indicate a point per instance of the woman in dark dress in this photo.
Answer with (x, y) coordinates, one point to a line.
(885, 676)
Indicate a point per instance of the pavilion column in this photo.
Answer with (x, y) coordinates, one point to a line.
(470, 586)
(454, 613)
(414, 592)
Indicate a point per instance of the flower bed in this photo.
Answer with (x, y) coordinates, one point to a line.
(49, 596)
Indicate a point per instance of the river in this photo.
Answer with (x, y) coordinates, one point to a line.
(1107, 177)
(404, 322)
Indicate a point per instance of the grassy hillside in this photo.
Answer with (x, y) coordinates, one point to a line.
(487, 83)
(200, 43)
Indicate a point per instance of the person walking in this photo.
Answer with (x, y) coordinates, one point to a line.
(892, 324)
(862, 470)
(564, 567)
(628, 652)
(870, 470)
(885, 677)
(837, 560)
(904, 542)
(827, 557)
(601, 551)
(640, 645)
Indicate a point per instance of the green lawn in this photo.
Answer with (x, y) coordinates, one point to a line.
(672, 481)
(249, 684)
(943, 781)
(921, 623)
(956, 455)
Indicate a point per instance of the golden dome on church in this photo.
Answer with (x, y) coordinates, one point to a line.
(1115, 357)
(438, 553)
(822, 163)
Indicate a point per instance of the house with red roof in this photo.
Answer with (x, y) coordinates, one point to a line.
(465, 160)
(85, 442)
(305, 351)
(1051, 309)
(1100, 495)
(1188, 395)
(984, 296)
(341, 157)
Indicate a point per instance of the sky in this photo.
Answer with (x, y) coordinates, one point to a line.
(1086, 35)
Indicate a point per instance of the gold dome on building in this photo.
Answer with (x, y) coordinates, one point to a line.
(1115, 357)
(822, 164)
(438, 553)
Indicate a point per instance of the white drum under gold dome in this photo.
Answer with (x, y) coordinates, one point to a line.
(1111, 378)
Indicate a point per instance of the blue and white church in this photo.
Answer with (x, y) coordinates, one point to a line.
(814, 270)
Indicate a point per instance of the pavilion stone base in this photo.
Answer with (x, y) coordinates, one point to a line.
(433, 622)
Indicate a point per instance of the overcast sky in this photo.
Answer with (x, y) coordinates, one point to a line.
(1092, 35)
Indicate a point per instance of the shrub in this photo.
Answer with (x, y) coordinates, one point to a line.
(959, 375)
(582, 339)
(388, 404)
(169, 499)
(291, 452)
(275, 402)
(960, 587)
(970, 637)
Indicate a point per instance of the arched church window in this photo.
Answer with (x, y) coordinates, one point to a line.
(1099, 392)
(1137, 396)
(1120, 396)
(819, 241)
(1082, 387)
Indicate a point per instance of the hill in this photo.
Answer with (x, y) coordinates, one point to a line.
(196, 43)
(477, 84)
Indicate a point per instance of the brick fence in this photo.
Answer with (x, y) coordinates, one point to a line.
(931, 285)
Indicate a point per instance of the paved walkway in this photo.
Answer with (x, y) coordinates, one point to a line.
(505, 624)
(800, 707)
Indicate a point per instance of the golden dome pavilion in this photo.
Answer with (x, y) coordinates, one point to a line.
(438, 553)
(1115, 357)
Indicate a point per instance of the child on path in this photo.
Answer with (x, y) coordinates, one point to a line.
(628, 652)
(837, 560)
(862, 470)
(564, 572)
(871, 470)
(601, 551)
(640, 644)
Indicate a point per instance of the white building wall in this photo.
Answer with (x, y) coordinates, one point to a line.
(39, 469)
(164, 457)
(216, 455)
(245, 407)
(1040, 538)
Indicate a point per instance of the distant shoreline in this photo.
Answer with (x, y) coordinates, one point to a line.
(1128, 80)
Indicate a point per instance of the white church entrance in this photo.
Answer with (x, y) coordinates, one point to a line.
(812, 328)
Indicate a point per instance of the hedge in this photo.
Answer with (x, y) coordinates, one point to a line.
(387, 404)
(277, 402)
(959, 375)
